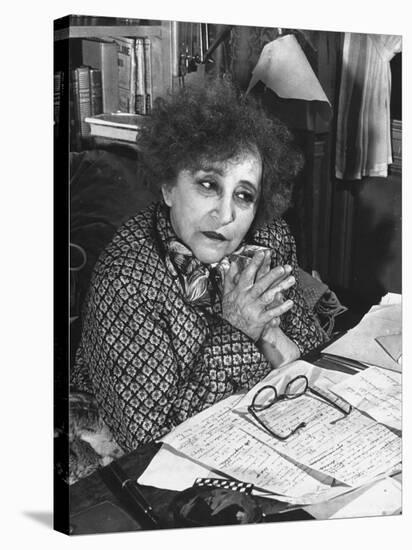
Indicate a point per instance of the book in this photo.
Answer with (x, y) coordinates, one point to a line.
(147, 47)
(126, 59)
(58, 83)
(140, 77)
(117, 126)
(102, 54)
(96, 97)
(82, 99)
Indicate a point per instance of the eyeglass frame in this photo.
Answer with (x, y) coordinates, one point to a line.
(284, 396)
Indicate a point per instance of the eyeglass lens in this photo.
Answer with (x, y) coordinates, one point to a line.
(265, 398)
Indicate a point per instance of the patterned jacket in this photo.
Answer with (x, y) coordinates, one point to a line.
(151, 358)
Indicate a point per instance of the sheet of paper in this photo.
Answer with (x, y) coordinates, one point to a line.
(360, 342)
(352, 449)
(173, 471)
(377, 392)
(391, 298)
(392, 344)
(217, 438)
(380, 499)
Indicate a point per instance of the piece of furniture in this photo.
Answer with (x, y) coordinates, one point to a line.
(69, 32)
(91, 502)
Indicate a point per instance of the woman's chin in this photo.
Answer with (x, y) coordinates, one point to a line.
(210, 256)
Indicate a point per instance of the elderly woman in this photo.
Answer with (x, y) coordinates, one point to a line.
(196, 297)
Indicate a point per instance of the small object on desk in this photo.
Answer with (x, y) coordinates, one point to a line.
(222, 483)
(343, 364)
(204, 506)
(128, 492)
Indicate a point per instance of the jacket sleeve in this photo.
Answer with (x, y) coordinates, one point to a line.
(142, 385)
(300, 324)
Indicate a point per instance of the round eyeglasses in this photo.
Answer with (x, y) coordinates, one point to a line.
(267, 396)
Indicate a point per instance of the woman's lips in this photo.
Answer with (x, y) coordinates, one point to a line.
(214, 236)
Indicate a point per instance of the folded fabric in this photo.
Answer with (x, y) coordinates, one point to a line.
(321, 299)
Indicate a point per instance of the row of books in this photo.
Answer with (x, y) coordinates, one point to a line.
(126, 68)
(86, 106)
(86, 98)
(115, 78)
(58, 88)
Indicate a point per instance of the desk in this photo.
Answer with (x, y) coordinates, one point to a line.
(90, 493)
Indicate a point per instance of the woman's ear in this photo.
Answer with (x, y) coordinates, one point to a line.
(166, 192)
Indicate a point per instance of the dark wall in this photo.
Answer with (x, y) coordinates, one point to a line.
(377, 237)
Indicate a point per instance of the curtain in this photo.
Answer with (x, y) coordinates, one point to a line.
(363, 145)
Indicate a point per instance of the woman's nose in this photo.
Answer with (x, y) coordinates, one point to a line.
(225, 212)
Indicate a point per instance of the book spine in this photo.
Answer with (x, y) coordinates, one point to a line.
(140, 78)
(127, 74)
(57, 100)
(96, 97)
(147, 47)
(81, 83)
(103, 55)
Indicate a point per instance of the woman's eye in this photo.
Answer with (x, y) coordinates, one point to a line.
(246, 197)
(206, 184)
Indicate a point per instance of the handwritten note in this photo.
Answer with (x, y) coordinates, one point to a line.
(217, 437)
(377, 392)
(352, 449)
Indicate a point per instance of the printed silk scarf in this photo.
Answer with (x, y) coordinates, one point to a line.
(201, 283)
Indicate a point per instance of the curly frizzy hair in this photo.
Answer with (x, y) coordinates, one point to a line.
(216, 123)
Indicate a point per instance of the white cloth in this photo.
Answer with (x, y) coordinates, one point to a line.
(363, 146)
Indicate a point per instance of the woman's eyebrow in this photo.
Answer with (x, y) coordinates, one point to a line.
(248, 183)
(211, 169)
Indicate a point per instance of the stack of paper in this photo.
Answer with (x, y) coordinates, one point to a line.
(331, 455)
(377, 339)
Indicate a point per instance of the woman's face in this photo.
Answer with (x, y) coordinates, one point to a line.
(212, 209)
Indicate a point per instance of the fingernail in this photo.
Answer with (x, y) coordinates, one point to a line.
(287, 268)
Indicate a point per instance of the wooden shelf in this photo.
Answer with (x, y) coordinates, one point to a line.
(101, 31)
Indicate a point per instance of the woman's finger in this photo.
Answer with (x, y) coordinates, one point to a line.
(230, 278)
(270, 295)
(270, 280)
(277, 311)
(265, 266)
(248, 275)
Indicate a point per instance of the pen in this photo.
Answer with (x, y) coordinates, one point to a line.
(345, 361)
(118, 481)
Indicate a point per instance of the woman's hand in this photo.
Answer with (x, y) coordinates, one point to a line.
(253, 299)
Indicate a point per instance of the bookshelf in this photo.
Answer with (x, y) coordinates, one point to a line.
(71, 31)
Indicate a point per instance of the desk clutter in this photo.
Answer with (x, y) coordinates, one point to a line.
(299, 449)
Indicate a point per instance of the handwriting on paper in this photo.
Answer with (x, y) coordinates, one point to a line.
(217, 437)
(377, 392)
(353, 449)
